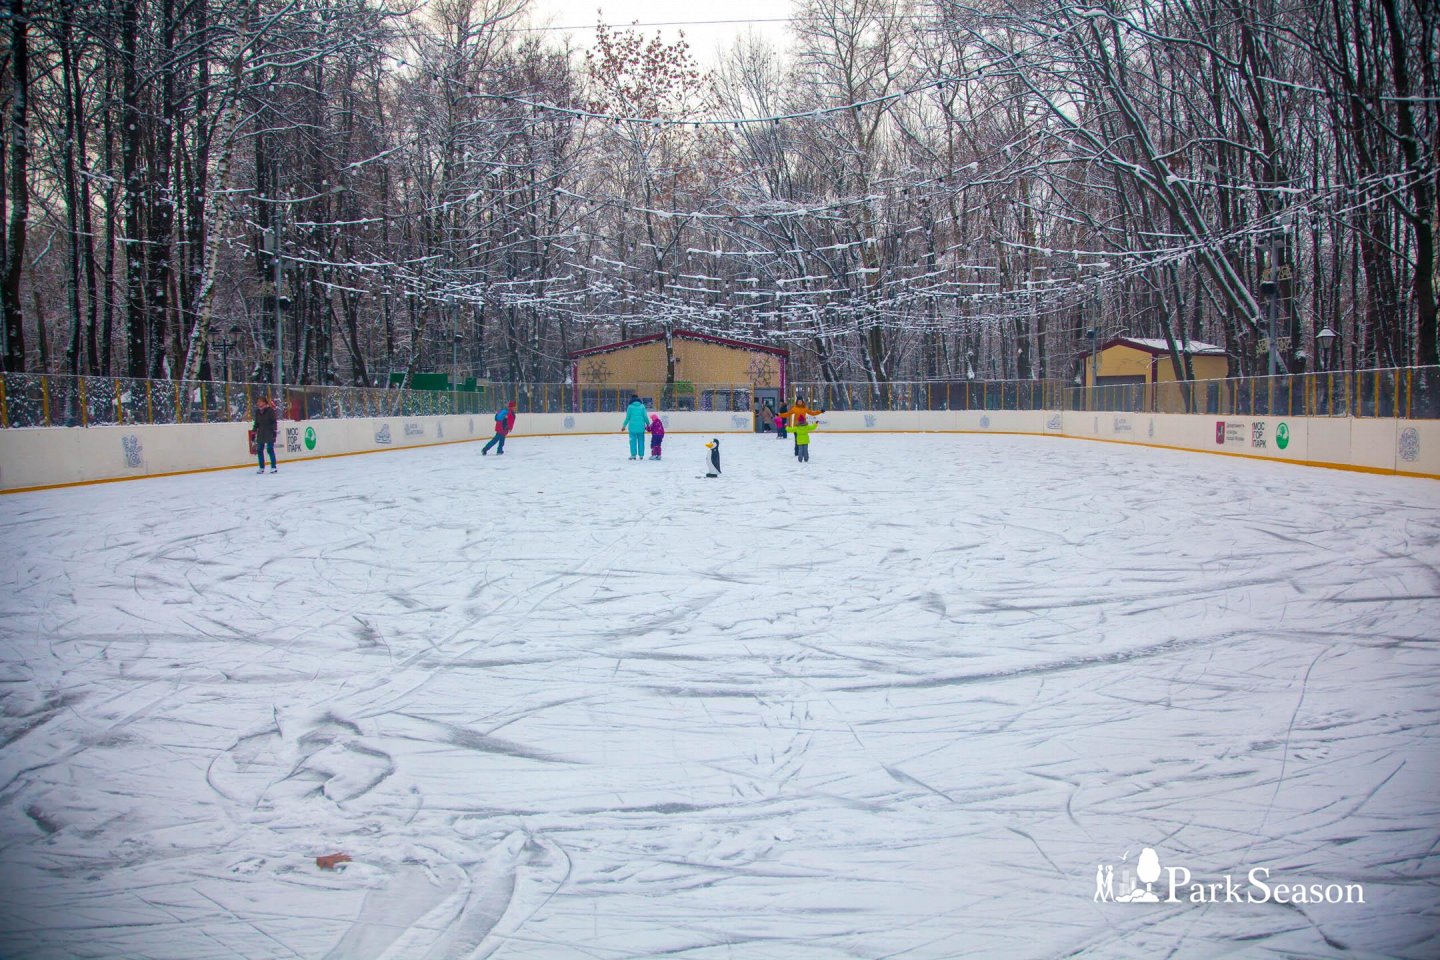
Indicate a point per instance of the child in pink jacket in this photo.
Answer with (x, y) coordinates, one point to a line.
(656, 429)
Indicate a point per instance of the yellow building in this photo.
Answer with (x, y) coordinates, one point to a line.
(1135, 360)
(711, 373)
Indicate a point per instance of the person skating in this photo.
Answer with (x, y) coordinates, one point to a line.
(656, 429)
(504, 423)
(799, 412)
(802, 440)
(636, 420)
(780, 422)
(265, 427)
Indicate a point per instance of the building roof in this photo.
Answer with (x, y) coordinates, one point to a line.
(1160, 347)
(680, 335)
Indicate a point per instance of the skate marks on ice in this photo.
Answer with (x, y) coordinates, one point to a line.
(442, 909)
(896, 702)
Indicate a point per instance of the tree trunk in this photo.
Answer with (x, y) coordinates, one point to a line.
(19, 187)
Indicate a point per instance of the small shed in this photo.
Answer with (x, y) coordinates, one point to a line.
(711, 373)
(1138, 360)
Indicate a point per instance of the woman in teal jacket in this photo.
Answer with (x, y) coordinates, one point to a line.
(636, 420)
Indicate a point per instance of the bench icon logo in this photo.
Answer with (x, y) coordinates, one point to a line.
(1136, 880)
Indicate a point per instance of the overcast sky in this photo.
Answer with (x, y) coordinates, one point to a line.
(689, 16)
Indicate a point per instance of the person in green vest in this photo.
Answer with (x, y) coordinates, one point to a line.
(801, 432)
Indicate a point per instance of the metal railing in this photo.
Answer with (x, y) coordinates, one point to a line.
(933, 395)
(49, 400)
(45, 400)
(1404, 392)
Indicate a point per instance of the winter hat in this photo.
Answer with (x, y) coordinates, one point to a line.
(654, 416)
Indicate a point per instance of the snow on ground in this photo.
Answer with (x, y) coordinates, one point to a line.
(899, 702)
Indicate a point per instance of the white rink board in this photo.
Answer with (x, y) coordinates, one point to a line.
(61, 455)
(32, 458)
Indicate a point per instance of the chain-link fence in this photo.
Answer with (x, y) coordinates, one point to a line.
(933, 395)
(1405, 392)
(43, 400)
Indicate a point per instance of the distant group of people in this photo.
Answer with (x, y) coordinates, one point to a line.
(796, 421)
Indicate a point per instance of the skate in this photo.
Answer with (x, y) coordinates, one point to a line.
(274, 469)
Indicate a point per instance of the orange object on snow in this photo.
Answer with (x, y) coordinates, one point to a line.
(330, 860)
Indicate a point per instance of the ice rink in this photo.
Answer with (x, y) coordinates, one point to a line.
(899, 702)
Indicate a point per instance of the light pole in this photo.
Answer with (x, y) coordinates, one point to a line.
(272, 247)
(1093, 335)
(1271, 286)
(224, 346)
(1325, 346)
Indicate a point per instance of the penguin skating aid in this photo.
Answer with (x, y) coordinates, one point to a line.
(712, 458)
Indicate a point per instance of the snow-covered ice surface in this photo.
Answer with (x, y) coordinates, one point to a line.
(899, 702)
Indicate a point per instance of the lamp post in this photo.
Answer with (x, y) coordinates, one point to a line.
(272, 247)
(1092, 335)
(1270, 287)
(224, 346)
(1325, 346)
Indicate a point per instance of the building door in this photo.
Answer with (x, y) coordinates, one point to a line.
(766, 396)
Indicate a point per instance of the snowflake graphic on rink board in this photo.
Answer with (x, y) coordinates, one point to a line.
(131, 445)
(569, 423)
(1409, 444)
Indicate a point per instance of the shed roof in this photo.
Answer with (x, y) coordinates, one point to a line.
(680, 335)
(1160, 347)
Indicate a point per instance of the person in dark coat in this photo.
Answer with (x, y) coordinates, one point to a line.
(265, 427)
